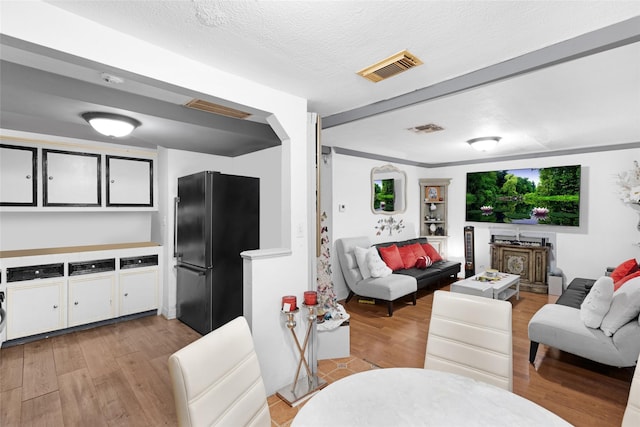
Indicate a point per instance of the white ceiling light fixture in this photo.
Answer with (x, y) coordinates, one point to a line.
(112, 125)
(484, 143)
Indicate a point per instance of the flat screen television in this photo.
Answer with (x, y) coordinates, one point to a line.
(546, 196)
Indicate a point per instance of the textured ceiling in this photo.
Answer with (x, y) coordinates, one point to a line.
(313, 49)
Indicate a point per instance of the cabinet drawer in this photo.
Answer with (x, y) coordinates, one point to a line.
(95, 266)
(137, 262)
(16, 274)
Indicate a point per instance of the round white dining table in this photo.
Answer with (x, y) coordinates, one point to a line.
(419, 397)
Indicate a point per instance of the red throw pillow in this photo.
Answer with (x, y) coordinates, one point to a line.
(423, 262)
(624, 269)
(417, 249)
(408, 256)
(624, 280)
(431, 252)
(391, 256)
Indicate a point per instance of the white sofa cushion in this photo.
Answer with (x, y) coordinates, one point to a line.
(597, 302)
(625, 306)
(361, 259)
(376, 265)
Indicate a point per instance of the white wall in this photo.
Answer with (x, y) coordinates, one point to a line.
(263, 164)
(606, 236)
(48, 227)
(43, 24)
(29, 230)
(351, 177)
(176, 164)
(608, 228)
(266, 165)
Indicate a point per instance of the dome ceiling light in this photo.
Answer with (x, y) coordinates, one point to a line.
(112, 125)
(485, 143)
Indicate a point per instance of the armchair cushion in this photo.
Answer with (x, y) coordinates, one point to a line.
(625, 279)
(376, 265)
(625, 306)
(408, 256)
(431, 252)
(391, 256)
(624, 269)
(597, 302)
(361, 259)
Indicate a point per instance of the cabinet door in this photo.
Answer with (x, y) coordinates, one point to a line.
(138, 290)
(71, 179)
(35, 307)
(18, 175)
(539, 269)
(129, 181)
(91, 298)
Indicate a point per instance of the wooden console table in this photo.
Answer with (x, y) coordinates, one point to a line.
(529, 262)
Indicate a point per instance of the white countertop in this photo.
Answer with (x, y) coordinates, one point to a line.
(73, 249)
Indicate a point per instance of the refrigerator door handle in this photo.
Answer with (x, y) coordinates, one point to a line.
(199, 271)
(176, 200)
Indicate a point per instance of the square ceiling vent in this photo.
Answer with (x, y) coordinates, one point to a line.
(210, 107)
(389, 67)
(428, 128)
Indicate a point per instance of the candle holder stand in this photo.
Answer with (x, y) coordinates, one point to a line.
(303, 387)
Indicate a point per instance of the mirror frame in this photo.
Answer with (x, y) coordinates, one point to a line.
(387, 169)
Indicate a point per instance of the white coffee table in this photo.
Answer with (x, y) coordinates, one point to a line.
(503, 287)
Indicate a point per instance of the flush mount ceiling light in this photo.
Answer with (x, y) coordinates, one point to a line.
(485, 143)
(109, 124)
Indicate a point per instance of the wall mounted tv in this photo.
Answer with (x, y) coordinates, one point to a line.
(548, 196)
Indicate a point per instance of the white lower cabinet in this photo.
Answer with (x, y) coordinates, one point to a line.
(35, 307)
(91, 298)
(53, 292)
(138, 290)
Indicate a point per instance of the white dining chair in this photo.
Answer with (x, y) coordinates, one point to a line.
(217, 380)
(632, 412)
(471, 336)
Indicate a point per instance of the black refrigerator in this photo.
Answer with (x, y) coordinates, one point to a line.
(217, 217)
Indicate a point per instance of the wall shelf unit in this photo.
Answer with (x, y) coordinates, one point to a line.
(433, 212)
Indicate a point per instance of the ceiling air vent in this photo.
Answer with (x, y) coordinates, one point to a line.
(391, 66)
(210, 107)
(431, 127)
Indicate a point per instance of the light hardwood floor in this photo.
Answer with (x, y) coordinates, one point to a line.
(582, 392)
(117, 375)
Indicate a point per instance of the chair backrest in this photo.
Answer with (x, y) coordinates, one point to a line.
(345, 248)
(632, 412)
(217, 381)
(471, 336)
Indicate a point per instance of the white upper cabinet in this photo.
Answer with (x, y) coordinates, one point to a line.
(129, 181)
(18, 175)
(78, 178)
(71, 178)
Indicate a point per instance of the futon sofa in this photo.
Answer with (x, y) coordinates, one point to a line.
(397, 285)
(560, 325)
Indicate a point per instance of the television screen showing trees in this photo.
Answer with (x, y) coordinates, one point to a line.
(549, 196)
